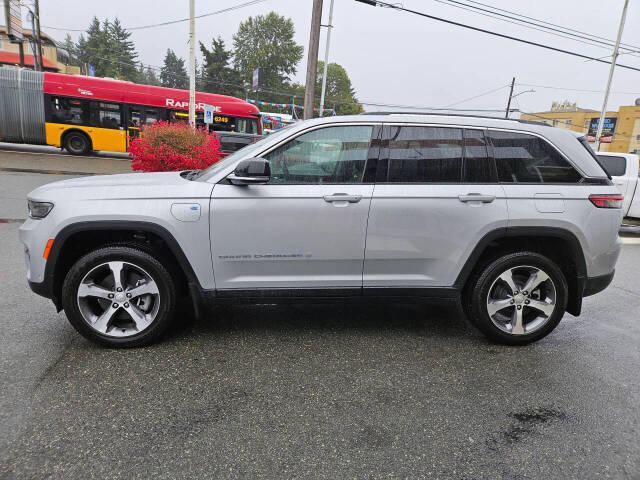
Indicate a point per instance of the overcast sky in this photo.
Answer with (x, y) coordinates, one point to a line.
(399, 58)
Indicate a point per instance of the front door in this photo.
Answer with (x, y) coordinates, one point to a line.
(306, 228)
(134, 121)
(436, 198)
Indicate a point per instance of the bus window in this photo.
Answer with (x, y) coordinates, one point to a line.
(151, 116)
(68, 110)
(247, 125)
(105, 115)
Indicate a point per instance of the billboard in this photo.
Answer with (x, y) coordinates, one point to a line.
(608, 129)
(13, 18)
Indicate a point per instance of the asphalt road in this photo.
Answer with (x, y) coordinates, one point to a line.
(317, 391)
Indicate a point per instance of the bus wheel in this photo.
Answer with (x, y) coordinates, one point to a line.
(76, 143)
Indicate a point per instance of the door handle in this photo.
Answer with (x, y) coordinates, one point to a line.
(476, 197)
(342, 197)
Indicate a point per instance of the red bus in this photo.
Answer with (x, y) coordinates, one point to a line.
(81, 114)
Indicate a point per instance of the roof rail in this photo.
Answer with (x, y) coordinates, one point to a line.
(530, 122)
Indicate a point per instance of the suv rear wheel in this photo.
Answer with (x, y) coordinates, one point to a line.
(119, 296)
(518, 298)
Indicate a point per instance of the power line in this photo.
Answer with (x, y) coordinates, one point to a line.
(489, 32)
(574, 89)
(476, 96)
(563, 32)
(552, 24)
(170, 22)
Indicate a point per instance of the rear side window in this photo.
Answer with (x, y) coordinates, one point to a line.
(614, 166)
(523, 158)
(425, 155)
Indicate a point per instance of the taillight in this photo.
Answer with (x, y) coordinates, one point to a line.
(607, 201)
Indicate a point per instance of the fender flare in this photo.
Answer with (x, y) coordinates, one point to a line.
(47, 287)
(576, 289)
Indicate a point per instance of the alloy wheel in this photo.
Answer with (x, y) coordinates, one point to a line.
(118, 299)
(521, 300)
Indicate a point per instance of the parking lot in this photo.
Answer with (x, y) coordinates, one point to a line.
(312, 391)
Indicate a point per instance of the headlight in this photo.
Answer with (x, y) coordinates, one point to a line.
(39, 209)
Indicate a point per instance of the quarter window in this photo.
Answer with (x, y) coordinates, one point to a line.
(325, 155)
(425, 155)
(523, 158)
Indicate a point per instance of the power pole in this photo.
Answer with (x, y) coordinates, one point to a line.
(513, 82)
(192, 64)
(312, 60)
(611, 69)
(39, 37)
(326, 58)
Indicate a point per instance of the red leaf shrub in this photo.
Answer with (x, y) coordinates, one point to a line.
(165, 147)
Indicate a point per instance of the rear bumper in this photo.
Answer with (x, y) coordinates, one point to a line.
(595, 285)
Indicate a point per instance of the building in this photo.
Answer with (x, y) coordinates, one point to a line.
(54, 58)
(621, 132)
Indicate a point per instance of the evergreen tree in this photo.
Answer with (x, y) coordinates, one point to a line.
(147, 76)
(173, 73)
(217, 75)
(70, 47)
(108, 48)
(122, 51)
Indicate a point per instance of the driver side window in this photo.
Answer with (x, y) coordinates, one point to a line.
(325, 155)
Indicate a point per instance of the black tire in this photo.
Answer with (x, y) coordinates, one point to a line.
(479, 286)
(130, 255)
(77, 143)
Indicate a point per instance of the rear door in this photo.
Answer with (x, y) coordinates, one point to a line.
(306, 228)
(436, 196)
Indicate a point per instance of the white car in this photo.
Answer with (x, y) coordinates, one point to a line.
(623, 168)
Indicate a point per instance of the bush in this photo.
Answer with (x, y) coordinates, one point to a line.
(165, 147)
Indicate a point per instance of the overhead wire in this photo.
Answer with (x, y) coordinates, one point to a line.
(502, 35)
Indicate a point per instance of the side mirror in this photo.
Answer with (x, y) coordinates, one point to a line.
(251, 171)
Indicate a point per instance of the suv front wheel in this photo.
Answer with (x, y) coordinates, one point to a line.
(518, 298)
(119, 296)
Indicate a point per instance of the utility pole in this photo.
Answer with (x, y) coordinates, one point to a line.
(513, 82)
(39, 37)
(613, 66)
(192, 64)
(312, 60)
(326, 58)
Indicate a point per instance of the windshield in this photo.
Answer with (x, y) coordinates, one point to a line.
(242, 153)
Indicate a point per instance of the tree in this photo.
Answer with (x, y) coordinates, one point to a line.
(217, 75)
(108, 49)
(267, 42)
(339, 91)
(93, 49)
(173, 73)
(122, 51)
(148, 76)
(70, 47)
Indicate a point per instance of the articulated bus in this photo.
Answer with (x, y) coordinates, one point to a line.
(81, 114)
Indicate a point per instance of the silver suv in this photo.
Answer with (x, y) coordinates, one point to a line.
(515, 221)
